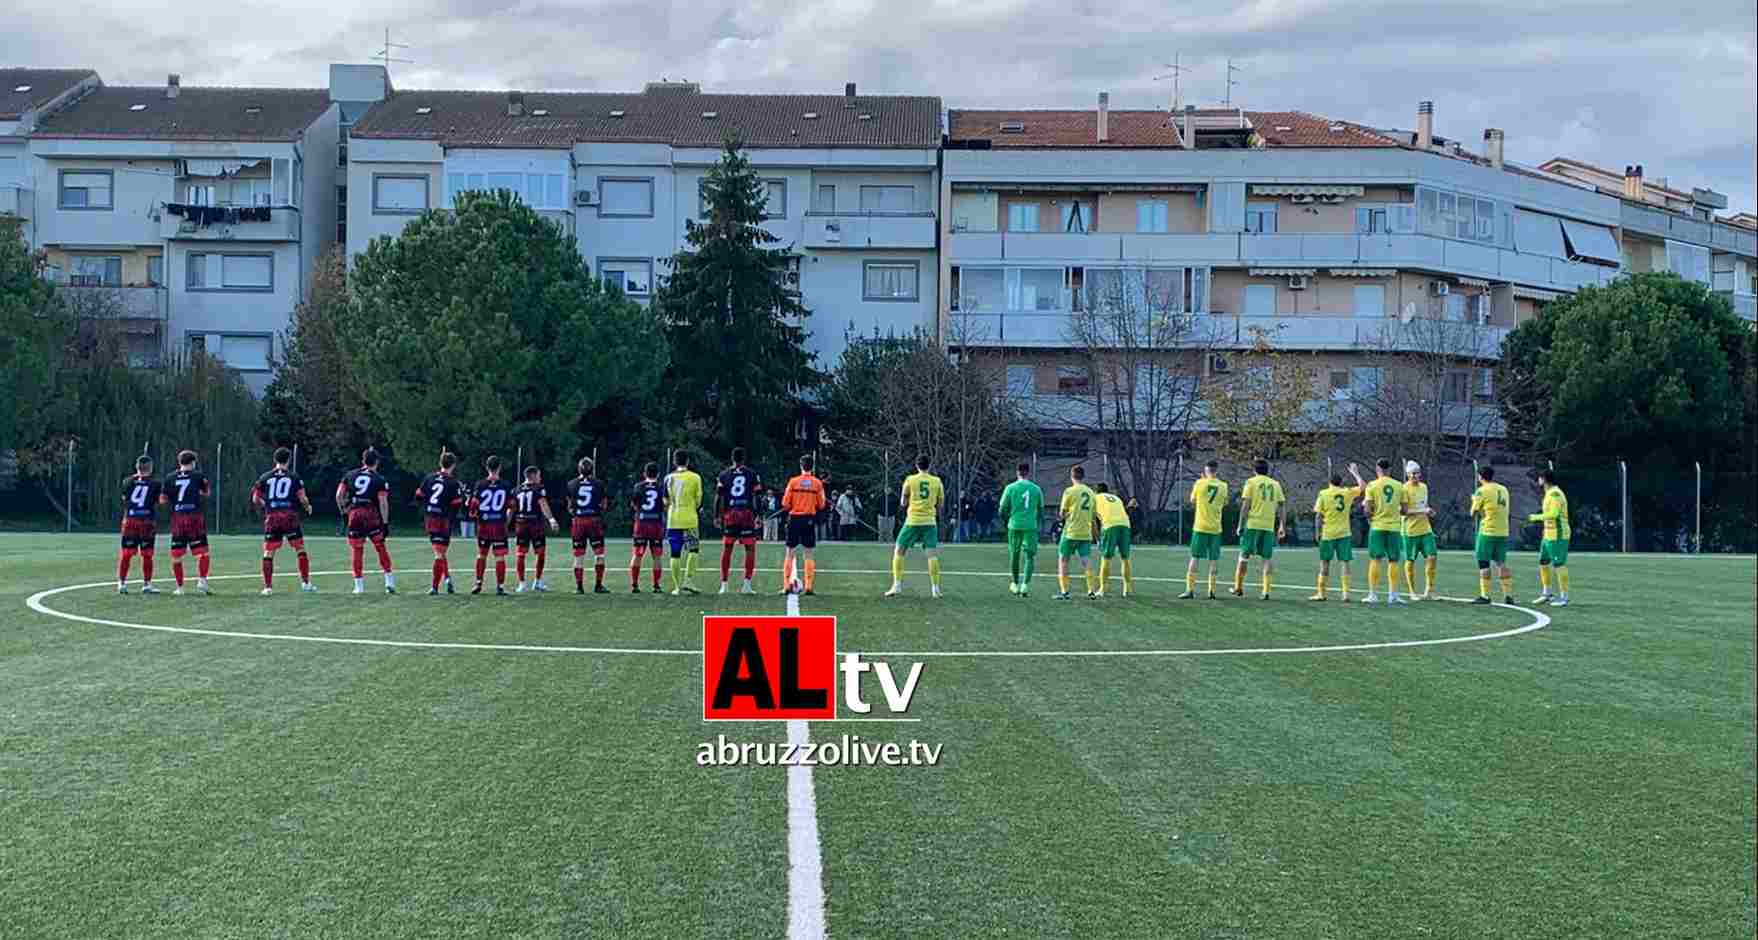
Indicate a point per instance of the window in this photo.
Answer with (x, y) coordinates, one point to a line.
(1457, 215)
(625, 198)
(891, 280)
(156, 270)
(1034, 289)
(1022, 379)
(246, 352)
(1690, 262)
(1073, 380)
(537, 190)
(1260, 300)
(1456, 387)
(85, 189)
(398, 195)
(1077, 216)
(633, 275)
(775, 199)
(1485, 384)
(284, 191)
(1151, 215)
(888, 199)
(1022, 217)
(1339, 384)
(94, 270)
(207, 271)
(982, 290)
(1365, 380)
(1381, 219)
(1454, 308)
(1370, 300)
(824, 198)
(1260, 218)
(231, 191)
(341, 215)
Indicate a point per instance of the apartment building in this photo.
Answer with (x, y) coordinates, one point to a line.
(192, 216)
(26, 96)
(1317, 235)
(851, 180)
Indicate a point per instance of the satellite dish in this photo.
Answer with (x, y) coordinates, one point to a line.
(1409, 312)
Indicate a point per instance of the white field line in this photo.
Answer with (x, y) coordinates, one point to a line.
(36, 602)
(805, 863)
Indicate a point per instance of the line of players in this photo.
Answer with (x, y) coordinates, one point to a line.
(667, 514)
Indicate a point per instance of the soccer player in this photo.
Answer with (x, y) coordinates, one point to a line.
(140, 525)
(1386, 503)
(530, 513)
(587, 499)
(921, 499)
(1022, 508)
(1113, 538)
(1336, 539)
(1553, 552)
(280, 494)
(440, 495)
(1490, 505)
(735, 502)
(1209, 496)
(802, 499)
(1418, 532)
(488, 506)
(648, 503)
(185, 490)
(364, 498)
(683, 521)
(1076, 514)
(1262, 521)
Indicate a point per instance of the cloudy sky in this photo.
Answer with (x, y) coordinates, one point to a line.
(1670, 85)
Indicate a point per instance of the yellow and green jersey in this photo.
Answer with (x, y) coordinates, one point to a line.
(683, 497)
(1209, 497)
(1333, 506)
(1417, 525)
(1555, 515)
(1077, 513)
(1490, 505)
(1111, 511)
(1386, 501)
(923, 494)
(1263, 495)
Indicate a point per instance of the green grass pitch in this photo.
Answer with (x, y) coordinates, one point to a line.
(1594, 778)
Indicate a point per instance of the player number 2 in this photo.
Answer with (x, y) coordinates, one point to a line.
(433, 498)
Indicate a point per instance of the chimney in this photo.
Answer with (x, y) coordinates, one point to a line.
(1104, 116)
(1633, 184)
(1492, 146)
(848, 90)
(1187, 133)
(1424, 125)
(515, 103)
(173, 84)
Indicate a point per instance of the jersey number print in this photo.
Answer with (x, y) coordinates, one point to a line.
(494, 500)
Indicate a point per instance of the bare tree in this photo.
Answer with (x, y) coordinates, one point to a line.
(1429, 395)
(1265, 406)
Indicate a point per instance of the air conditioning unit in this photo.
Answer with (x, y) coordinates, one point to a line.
(586, 197)
(1331, 200)
(1219, 364)
(1440, 288)
(1297, 282)
(1301, 200)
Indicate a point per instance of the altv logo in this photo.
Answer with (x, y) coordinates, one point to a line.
(772, 668)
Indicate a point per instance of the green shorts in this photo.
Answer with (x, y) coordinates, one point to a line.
(1415, 545)
(1022, 540)
(1385, 544)
(1259, 542)
(1114, 541)
(1553, 552)
(1205, 545)
(1068, 547)
(1341, 548)
(1492, 548)
(927, 536)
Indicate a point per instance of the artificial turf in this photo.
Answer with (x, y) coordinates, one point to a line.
(1594, 778)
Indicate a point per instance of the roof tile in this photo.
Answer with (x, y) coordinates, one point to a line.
(40, 87)
(195, 114)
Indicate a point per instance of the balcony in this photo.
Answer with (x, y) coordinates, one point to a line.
(1094, 247)
(857, 230)
(1053, 329)
(283, 225)
(1746, 305)
(115, 303)
(15, 200)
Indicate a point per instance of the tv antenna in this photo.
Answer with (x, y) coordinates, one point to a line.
(1173, 71)
(1227, 100)
(388, 54)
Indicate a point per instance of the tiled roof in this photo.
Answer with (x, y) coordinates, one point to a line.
(195, 114)
(1124, 129)
(40, 87)
(1300, 129)
(480, 119)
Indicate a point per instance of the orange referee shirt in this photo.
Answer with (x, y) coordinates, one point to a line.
(804, 496)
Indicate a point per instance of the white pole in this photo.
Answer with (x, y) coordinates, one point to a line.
(70, 484)
(1624, 502)
(219, 456)
(1178, 536)
(1698, 548)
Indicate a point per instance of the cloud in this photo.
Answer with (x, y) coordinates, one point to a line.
(1672, 89)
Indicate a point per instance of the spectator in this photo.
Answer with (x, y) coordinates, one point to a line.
(985, 513)
(966, 520)
(848, 510)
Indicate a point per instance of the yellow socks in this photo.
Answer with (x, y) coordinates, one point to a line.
(1062, 581)
(897, 568)
(1507, 585)
(1345, 583)
(1267, 579)
(1321, 585)
(1211, 581)
(690, 567)
(1104, 572)
(1128, 578)
(811, 573)
(1483, 583)
(1428, 574)
(1092, 578)
(1563, 580)
(1544, 579)
(1373, 575)
(1391, 577)
(1410, 574)
(1239, 578)
(934, 571)
(1190, 581)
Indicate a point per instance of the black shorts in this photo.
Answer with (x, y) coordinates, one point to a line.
(530, 533)
(802, 532)
(439, 530)
(492, 535)
(585, 531)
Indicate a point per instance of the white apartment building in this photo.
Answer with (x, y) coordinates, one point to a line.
(192, 215)
(26, 96)
(852, 183)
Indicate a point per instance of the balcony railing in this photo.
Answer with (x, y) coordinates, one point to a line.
(868, 230)
(219, 223)
(1746, 305)
(15, 200)
(115, 303)
(1064, 329)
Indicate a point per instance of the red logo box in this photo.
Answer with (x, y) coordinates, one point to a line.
(768, 668)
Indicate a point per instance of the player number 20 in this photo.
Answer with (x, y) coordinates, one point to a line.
(493, 500)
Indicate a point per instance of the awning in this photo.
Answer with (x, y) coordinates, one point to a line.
(1365, 272)
(200, 167)
(1537, 234)
(1533, 293)
(1470, 281)
(1282, 272)
(1278, 189)
(1589, 242)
